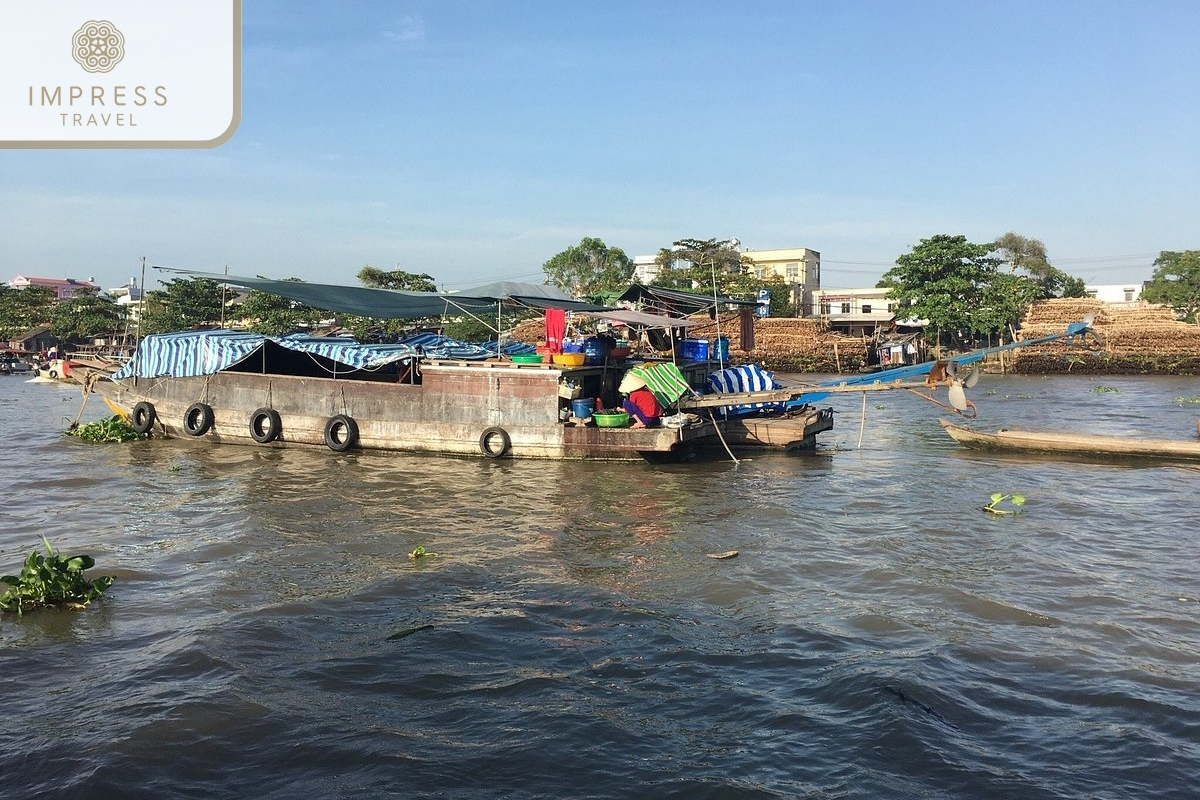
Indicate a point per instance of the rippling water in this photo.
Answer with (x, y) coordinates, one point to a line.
(877, 636)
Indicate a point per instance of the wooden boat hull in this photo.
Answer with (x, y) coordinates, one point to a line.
(1079, 445)
(458, 408)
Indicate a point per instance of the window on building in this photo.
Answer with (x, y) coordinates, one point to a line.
(824, 308)
(845, 308)
(866, 308)
(792, 271)
(891, 307)
(1129, 295)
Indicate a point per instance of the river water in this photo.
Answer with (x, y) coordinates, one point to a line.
(877, 635)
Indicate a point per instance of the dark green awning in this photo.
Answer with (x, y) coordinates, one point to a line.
(676, 302)
(395, 304)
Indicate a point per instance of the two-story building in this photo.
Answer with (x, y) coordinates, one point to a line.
(64, 288)
(857, 312)
(799, 267)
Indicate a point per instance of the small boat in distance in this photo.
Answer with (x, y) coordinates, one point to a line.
(1090, 446)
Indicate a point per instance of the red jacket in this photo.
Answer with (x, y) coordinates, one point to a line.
(642, 404)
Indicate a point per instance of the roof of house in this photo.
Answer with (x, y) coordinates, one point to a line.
(52, 281)
(32, 333)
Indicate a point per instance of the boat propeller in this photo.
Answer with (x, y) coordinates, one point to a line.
(945, 373)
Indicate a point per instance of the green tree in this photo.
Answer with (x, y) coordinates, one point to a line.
(369, 329)
(24, 309)
(1176, 282)
(589, 268)
(468, 329)
(745, 287)
(183, 303)
(273, 315)
(1029, 256)
(692, 265)
(84, 316)
(957, 286)
(695, 265)
(376, 278)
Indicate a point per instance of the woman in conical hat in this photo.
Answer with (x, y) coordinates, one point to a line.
(641, 403)
(630, 382)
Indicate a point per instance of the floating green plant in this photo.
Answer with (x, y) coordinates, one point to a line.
(420, 552)
(113, 429)
(52, 580)
(1102, 389)
(1184, 400)
(1016, 500)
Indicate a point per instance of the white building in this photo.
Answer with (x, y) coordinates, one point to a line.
(129, 298)
(645, 269)
(1119, 293)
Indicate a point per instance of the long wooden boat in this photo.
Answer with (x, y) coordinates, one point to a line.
(1072, 444)
(240, 388)
(223, 387)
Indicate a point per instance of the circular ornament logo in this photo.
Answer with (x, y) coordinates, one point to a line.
(98, 46)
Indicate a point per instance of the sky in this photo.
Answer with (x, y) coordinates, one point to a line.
(475, 140)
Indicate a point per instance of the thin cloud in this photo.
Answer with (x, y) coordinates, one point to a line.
(406, 29)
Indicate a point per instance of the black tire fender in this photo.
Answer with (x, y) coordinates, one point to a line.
(485, 442)
(143, 417)
(198, 419)
(341, 433)
(265, 425)
(53, 374)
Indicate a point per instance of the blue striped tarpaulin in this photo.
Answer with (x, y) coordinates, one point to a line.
(193, 353)
(746, 378)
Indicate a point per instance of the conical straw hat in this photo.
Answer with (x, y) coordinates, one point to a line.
(630, 383)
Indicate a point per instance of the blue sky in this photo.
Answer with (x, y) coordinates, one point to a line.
(474, 140)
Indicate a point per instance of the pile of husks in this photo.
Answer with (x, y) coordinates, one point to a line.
(1134, 340)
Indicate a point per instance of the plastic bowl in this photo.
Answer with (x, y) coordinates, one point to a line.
(527, 359)
(621, 352)
(611, 420)
(569, 359)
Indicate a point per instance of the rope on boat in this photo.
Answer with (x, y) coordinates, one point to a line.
(89, 383)
(721, 436)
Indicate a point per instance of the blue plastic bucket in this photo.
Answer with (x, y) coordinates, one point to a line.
(721, 348)
(593, 351)
(582, 408)
(694, 349)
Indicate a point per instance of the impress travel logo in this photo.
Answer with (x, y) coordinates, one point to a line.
(125, 73)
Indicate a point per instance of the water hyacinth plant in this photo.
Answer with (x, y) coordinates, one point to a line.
(113, 429)
(52, 580)
(1017, 500)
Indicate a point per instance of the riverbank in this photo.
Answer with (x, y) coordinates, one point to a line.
(1134, 340)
